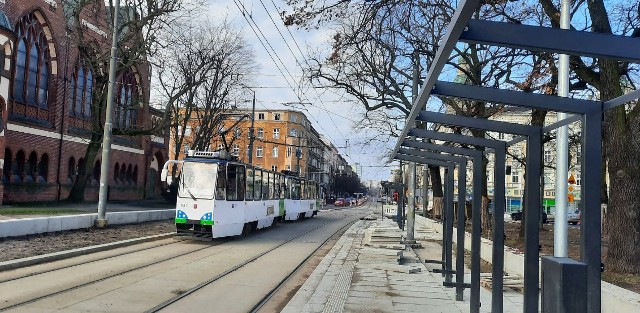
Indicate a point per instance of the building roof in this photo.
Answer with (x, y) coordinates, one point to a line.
(4, 21)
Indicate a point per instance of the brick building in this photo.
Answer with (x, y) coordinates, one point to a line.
(45, 96)
(278, 135)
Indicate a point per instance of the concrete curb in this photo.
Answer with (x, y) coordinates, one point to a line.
(48, 224)
(56, 256)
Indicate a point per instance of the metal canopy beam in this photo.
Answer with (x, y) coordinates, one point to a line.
(463, 13)
(468, 140)
(634, 95)
(563, 41)
(515, 98)
(477, 123)
(432, 155)
(442, 148)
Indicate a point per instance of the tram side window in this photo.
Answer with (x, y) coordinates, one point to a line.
(277, 186)
(235, 183)
(295, 189)
(249, 189)
(265, 185)
(257, 185)
(304, 194)
(272, 186)
(286, 183)
(221, 182)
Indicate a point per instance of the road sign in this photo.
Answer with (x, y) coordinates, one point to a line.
(572, 180)
(570, 188)
(571, 197)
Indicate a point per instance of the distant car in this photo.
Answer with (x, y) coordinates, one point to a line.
(347, 201)
(516, 216)
(573, 217)
(339, 202)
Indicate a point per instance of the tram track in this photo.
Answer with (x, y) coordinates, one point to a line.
(96, 280)
(34, 275)
(186, 293)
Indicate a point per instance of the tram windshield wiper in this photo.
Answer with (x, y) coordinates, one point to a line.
(191, 194)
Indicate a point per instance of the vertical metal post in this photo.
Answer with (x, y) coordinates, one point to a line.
(101, 221)
(449, 223)
(591, 214)
(498, 232)
(532, 217)
(251, 130)
(476, 233)
(425, 191)
(462, 195)
(411, 202)
(560, 225)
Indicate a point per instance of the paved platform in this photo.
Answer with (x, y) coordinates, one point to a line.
(361, 273)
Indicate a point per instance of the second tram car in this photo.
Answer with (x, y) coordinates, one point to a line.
(218, 197)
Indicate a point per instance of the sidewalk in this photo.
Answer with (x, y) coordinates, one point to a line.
(361, 274)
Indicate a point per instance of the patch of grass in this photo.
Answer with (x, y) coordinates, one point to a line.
(19, 211)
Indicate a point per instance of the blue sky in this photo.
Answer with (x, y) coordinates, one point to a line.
(331, 112)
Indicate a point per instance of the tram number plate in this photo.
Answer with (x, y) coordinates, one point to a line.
(270, 210)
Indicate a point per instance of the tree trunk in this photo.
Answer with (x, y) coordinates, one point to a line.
(79, 185)
(486, 227)
(436, 189)
(537, 119)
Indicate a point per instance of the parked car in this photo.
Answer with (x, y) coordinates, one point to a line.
(573, 217)
(516, 216)
(339, 202)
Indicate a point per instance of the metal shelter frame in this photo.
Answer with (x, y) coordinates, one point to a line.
(448, 161)
(463, 28)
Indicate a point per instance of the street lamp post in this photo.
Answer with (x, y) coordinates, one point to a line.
(101, 221)
(251, 134)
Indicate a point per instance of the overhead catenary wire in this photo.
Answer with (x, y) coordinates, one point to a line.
(262, 38)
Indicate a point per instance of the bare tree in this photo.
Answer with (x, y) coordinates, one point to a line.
(610, 78)
(372, 59)
(213, 62)
(141, 22)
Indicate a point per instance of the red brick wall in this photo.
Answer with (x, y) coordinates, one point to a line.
(58, 183)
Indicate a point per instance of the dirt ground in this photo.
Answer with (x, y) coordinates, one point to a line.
(513, 240)
(26, 246)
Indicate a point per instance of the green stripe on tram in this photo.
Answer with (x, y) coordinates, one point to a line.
(181, 220)
(206, 222)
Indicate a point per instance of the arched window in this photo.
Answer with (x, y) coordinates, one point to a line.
(129, 173)
(77, 97)
(43, 168)
(82, 85)
(19, 167)
(31, 75)
(116, 173)
(32, 169)
(21, 65)
(123, 173)
(71, 170)
(126, 114)
(6, 169)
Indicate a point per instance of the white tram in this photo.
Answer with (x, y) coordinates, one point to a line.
(218, 197)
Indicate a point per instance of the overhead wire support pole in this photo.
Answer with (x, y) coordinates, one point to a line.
(560, 225)
(103, 194)
(251, 129)
(411, 204)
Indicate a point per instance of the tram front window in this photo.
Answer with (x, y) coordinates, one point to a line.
(198, 180)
